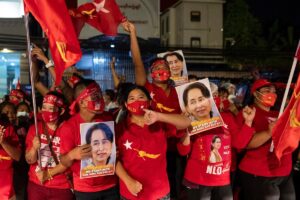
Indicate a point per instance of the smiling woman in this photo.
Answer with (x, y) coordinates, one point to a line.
(100, 137)
(196, 99)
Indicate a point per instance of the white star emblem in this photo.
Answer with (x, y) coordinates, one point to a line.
(100, 7)
(152, 95)
(128, 144)
(226, 126)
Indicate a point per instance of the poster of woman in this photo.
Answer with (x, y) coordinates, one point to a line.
(101, 137)
(177, 65)
(196, 101)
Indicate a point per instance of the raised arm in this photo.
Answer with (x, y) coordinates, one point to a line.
(179, 121)
(140, 72)
(114, 73)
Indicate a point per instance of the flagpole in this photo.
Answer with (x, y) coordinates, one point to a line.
(287, 89)
(26, 19)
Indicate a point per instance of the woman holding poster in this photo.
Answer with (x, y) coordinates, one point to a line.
(142, 147)
(207, 173)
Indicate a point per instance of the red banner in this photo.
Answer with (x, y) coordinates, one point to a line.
(56, 22)
(103, 15)
(286, 132)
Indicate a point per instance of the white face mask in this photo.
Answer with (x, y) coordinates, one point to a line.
(22, 114)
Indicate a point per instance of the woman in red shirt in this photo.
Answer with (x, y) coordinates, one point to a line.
(46, 177)
(142, 145)
(9, 151)
(207, 173)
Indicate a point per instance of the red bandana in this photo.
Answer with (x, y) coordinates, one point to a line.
(89, 90)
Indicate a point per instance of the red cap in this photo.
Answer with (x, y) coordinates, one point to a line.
(258, 84)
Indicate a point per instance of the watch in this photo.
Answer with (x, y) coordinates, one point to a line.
(49, 64)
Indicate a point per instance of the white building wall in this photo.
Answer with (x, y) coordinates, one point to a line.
(208, 29)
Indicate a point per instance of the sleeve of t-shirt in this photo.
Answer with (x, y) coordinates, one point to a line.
(183, 149)
(67, 140)
(12, 137)
(29, 137)
(241, 134)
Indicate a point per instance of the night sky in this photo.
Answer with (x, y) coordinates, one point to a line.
(267, 11)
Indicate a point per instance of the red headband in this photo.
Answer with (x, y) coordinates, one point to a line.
(53, 100)
(159, 62)
(17, 93)
(89, 90)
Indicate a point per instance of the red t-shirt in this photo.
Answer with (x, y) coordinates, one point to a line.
(161, 102)
(208, 164)
(47, 161)
(70, 132)
(6, 171)
(260, 161)
(142, 151)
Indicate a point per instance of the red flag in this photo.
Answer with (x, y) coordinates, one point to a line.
(56, 22)
(104, 15)
(286, 132)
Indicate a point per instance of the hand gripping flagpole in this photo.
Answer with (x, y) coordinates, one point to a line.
(287, 89)
(26, 18)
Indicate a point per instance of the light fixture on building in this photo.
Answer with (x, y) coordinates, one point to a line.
(6, 50)
(112, 46)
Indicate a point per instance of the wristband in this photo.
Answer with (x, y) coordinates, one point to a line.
(49, 64)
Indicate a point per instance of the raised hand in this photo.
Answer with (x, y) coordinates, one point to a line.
(39, 54)
(249, 114)
(36, 143)
(150, 116)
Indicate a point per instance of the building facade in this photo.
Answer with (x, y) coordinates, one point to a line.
(193, 23)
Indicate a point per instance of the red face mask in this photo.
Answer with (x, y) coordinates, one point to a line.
(49, 116)
(161, 74)
(96, 106)
(268, 99)
(137, 107)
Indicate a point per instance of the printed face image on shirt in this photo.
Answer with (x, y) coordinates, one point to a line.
(176, 65)
(215, 155)
(101, 147)
(198, 105)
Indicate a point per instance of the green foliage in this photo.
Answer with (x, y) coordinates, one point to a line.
(242, 26)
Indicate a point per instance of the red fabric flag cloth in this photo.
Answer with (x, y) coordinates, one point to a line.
(54, 18)
(286, 132)
(103, 15)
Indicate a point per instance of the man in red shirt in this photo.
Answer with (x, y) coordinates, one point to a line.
(164, 99)
(262, 175)
(88, 107)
